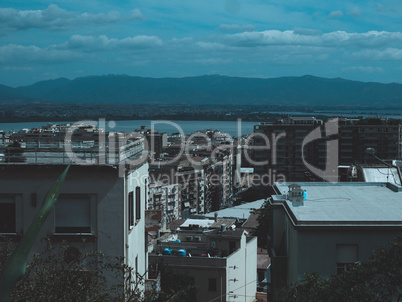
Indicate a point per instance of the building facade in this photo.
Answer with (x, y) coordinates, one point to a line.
(330, 227)
(103, 204)
(222, 263)
(287, 149)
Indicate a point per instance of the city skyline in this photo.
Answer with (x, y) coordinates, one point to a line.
(43, 40)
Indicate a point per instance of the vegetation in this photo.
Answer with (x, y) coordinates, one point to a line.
(379, 279)
(176, 286)
(264, 225)
(16, 265)
(65, 273)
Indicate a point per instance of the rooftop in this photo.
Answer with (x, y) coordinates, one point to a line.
(207, 223)
(345, 203)
(88, 154)
(242, 211)
(381, 174)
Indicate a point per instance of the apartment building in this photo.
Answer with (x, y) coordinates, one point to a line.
(324, 227)
(286, 147)
(165, 197)
(101, 203)
(222, 262)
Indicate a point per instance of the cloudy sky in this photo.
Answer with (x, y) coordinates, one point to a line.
(359, 40)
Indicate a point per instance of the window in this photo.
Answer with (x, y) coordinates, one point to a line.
(7, 215)
(212, 284)
(73, 214)
(346, 256)
(146, 195)
(343, 267)
(130, 209)
(232, 246)
(137, 203)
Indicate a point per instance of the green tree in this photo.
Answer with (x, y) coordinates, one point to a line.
(264, 224)
(175, 286)
(64, 273)
(379, 279)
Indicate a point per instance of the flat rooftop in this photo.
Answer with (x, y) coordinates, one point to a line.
(242, 211)
(346, 203)
(381, 174)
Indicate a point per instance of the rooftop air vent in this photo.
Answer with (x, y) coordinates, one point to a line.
(296, 195)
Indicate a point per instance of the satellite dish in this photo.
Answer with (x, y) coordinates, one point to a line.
(370, 151)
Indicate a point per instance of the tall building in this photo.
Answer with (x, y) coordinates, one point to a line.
(283, 151)
(356, 135)
(188, 178)
(165, 197)
(280, 145)
(156, 141)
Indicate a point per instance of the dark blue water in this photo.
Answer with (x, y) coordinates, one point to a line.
(188, 127)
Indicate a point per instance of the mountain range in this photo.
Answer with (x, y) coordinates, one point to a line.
(209, 89)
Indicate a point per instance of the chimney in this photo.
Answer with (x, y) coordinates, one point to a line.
(223, 227)
(216, 216)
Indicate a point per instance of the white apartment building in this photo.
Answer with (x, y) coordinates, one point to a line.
(101, 203)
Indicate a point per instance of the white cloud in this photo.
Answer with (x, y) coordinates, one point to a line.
(373, 54)
(335, 14)
(75, 49)
(51, 18)
(136, 14)
(20, 53)
(270, 37)
(100, 43)
(306, 31)
(369, 39)
(236, 27)
(139, 42)
(211, 45)
(365, 69)
(181, 40)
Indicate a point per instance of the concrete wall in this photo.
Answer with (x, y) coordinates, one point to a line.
(315, 251)
(201, 269)
(108, 194)
(101, 184)
(136, 247)
(245, 273)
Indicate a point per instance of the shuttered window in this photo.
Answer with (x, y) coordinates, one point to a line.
(7, 215)
(73, 214)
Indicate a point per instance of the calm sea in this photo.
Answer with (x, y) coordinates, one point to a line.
(188, 127)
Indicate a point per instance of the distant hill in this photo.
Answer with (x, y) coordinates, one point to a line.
(211, 89)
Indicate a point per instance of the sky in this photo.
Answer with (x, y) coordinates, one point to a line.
(357, 40)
